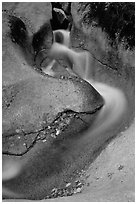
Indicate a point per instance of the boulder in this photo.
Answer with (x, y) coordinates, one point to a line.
(42, 115)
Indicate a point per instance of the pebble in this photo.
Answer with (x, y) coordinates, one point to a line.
(68, 184)
(57, 132)
(54, 190)
(62, 77)
(17, 130)
(120, 167)
(78, 190)
(24, 144)
(44, 140)
(79, 184)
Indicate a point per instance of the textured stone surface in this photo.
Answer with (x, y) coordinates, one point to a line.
(40, 114)
(36, 14)
(111, 176)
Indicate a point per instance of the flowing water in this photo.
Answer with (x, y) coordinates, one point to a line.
(115, 106)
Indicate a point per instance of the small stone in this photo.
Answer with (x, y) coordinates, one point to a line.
(79, 184)
(68, 184)
(52, 135)
(18, 137)
(44, 140)
(78, 190)
(17, 130)
(77, 181)
(54, 190)
(57, 132)
(62, 77)
(49, 127)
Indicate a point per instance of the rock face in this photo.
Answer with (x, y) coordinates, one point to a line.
(39, 111)
(35, 15)
(111, 47)
(107, 42)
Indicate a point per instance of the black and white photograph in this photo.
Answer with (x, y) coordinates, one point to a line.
(68, 101)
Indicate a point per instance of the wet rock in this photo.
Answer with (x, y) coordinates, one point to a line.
(41, 116)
